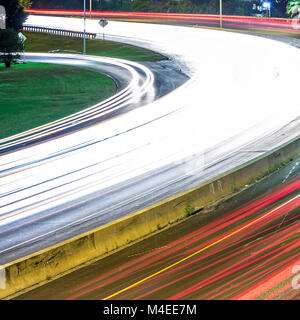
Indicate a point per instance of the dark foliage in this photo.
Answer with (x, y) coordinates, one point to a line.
(15, 15)
(10, 45)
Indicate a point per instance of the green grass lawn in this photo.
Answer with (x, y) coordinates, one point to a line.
(43, 42)
(33, 94)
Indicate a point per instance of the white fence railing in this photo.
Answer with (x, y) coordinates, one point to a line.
(61, 32)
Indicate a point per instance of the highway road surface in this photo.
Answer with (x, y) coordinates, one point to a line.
(239, 103)
(135, 87)
(291, 26)
(246, 248)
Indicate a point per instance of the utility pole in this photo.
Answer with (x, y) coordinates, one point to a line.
(84, 24)
(90, 8)
(221, 10)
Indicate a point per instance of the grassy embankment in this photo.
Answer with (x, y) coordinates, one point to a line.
(38, 42)
(33, 94)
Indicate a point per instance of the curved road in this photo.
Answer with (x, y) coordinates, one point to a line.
(135, 87)
(247, 248)
(230, 111)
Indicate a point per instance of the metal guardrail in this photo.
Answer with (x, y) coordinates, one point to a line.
(61, 32)
(228, 21)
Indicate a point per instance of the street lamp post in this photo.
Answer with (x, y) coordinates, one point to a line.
(84, 23)
(221, 9)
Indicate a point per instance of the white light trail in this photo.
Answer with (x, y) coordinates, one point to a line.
(241, 88)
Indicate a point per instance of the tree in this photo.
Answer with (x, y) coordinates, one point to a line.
(10, 45)
(278, 8)
(15, 15)
(10, 42)
(142, 6)
(293, 8)
(58, 4)
(103, 5)
(233, 7)
(169, 6)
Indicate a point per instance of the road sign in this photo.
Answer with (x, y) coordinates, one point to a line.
(22, 37)
(103, 23)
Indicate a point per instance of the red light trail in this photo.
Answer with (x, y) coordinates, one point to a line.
(245, 253)
(278, 24)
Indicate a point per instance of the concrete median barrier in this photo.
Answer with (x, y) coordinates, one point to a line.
(34, 270)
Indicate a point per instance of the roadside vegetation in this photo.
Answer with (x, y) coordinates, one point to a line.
(42, 42)
(33, 94)
(10, 42)
(230, 7)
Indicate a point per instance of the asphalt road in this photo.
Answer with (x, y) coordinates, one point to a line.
(164, 78)
(135, 88)
(54, 191)
(32, 233)
(235, 22)
(245, 248)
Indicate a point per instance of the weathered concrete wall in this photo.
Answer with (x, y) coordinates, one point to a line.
(41, 266)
